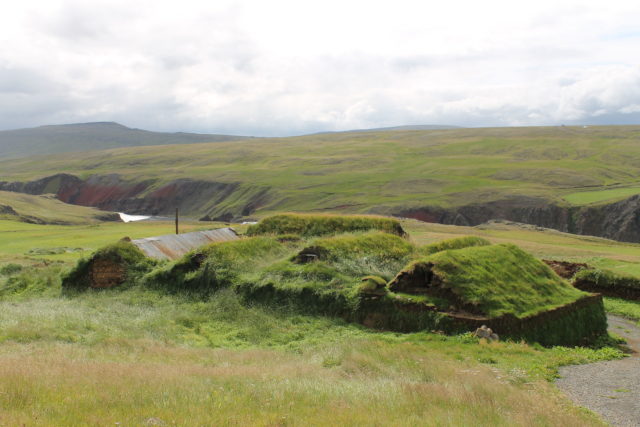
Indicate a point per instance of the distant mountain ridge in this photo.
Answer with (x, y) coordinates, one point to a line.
(53, 139)
(395, 128)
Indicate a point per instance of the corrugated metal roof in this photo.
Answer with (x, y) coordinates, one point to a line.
(172, 246)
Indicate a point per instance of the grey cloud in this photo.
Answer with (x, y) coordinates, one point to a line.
(24, 81)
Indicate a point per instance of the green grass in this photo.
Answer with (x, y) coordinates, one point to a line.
(622, 307)
(456, 243)
(362, 254)
(218, 265)
(18, 240)
(546, 244)
(318, 225)
(379, 171)
(606, 280)
(129, 356)
(588, 197)
(493, 280)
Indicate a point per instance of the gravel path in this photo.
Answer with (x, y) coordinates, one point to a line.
(612, 389)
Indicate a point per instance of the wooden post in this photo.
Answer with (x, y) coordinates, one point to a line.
(177, 221)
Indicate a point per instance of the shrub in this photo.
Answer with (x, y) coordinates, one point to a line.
(10, 269)
(373, 285)
(31, 281)
(318, 225)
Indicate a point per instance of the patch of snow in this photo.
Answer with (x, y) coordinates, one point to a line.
(129, 218)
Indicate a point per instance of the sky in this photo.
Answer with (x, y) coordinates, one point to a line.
(280, 67)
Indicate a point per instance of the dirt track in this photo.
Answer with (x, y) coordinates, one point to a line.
(612, 389)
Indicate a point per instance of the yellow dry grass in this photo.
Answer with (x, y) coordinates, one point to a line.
(361, 383)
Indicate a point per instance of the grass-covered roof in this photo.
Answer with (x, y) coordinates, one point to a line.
(489, 280)
(319, 225)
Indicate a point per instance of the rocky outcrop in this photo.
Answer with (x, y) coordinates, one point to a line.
(7, 210)
(618, 221)
(228, 201)
(113, 193)
(528, 210)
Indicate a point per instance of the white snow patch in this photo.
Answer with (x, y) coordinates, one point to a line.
(129, 218)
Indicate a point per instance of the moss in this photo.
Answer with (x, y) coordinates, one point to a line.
(457, 243)
(318, 225)
(373, 285)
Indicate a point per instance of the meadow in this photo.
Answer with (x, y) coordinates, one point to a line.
(141, 356)
(380, 171)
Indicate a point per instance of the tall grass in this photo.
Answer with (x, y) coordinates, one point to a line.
(135, 357)
(359, 384)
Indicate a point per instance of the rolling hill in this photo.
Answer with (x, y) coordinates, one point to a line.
(575, 179)
(91, 136)
(46, 209)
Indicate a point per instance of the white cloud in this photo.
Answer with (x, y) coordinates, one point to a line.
(287, 67)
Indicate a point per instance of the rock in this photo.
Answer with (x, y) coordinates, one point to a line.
(7, 210)
(486, 333)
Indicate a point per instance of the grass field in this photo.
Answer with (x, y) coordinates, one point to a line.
(598, 196)
(357, 171)
(31, 242)
(127, 357)
(137, 356)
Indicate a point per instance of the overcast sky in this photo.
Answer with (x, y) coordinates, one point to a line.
(290, 67)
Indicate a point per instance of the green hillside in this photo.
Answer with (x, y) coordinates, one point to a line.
(358, 171)
(90, 136)
(48, 210)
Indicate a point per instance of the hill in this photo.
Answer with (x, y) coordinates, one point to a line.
(574, 179)
(91, 136)
(397, 128)
(46, 209)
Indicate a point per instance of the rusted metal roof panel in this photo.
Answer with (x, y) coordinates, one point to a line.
(173, 246)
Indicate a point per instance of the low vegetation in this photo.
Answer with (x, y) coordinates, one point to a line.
(353, 172)
(609, 282)
(318, 225)
(623, 307)
(494, 280)
(138, 356)
(456, 243)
